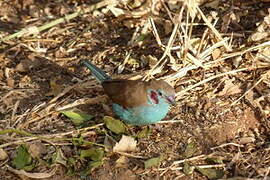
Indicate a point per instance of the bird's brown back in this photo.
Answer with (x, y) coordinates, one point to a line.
(132, 93)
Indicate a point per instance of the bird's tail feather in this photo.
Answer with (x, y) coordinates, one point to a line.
(100, 75)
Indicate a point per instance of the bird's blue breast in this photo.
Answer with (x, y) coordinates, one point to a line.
(142, 115)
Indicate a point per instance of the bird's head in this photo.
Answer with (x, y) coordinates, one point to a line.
(161, 91)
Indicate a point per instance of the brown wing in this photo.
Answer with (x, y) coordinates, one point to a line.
(128, 93)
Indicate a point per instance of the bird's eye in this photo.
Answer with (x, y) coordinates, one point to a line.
(159, 93)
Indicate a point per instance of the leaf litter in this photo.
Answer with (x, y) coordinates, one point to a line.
(216, 57)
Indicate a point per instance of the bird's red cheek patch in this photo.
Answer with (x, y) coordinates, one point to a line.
(154, 97)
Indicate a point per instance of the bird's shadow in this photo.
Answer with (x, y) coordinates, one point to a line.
(37, 81)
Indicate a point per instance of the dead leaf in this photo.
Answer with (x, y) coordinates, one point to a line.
(116, 11)
(227, 19)
(126, 174)
(151, 60)
(212, 4)
(191, 149)
(33, 175)
(216, 53)
(188, 169)
(10, 82)
(237, 60)
(122, 162)
(129, 23)
(173, 5)
(262, 31)
(126, 144)
(246, 140)
(55, 87)
(3, 155)
(37, 149)
(259, 36)
(24, 66)
(230, 88)
(134, 4)
(168, 26)
(250, 97)
(109, 142)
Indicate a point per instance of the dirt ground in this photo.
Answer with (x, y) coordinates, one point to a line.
(216, 54)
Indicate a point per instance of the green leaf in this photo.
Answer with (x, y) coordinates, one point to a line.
(30, 167)
(94, 164)
(215, 160)
(115, 125)
(96, 154)
(187, 169)
(142, 37)
(71, 166)
(77, 116)
(153, 162)
(77, 141)
(145, 132)
(211, 173)
(23, 157)
(71, 161)
(190, 150)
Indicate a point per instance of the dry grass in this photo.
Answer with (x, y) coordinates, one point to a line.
(218, 62)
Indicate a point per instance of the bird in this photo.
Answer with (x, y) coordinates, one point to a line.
(136, 102)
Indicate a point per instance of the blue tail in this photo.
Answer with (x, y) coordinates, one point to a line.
(100, 75)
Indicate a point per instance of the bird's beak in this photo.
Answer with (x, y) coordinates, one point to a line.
(171, 100)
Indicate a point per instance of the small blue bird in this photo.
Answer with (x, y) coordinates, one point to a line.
(136, 102)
